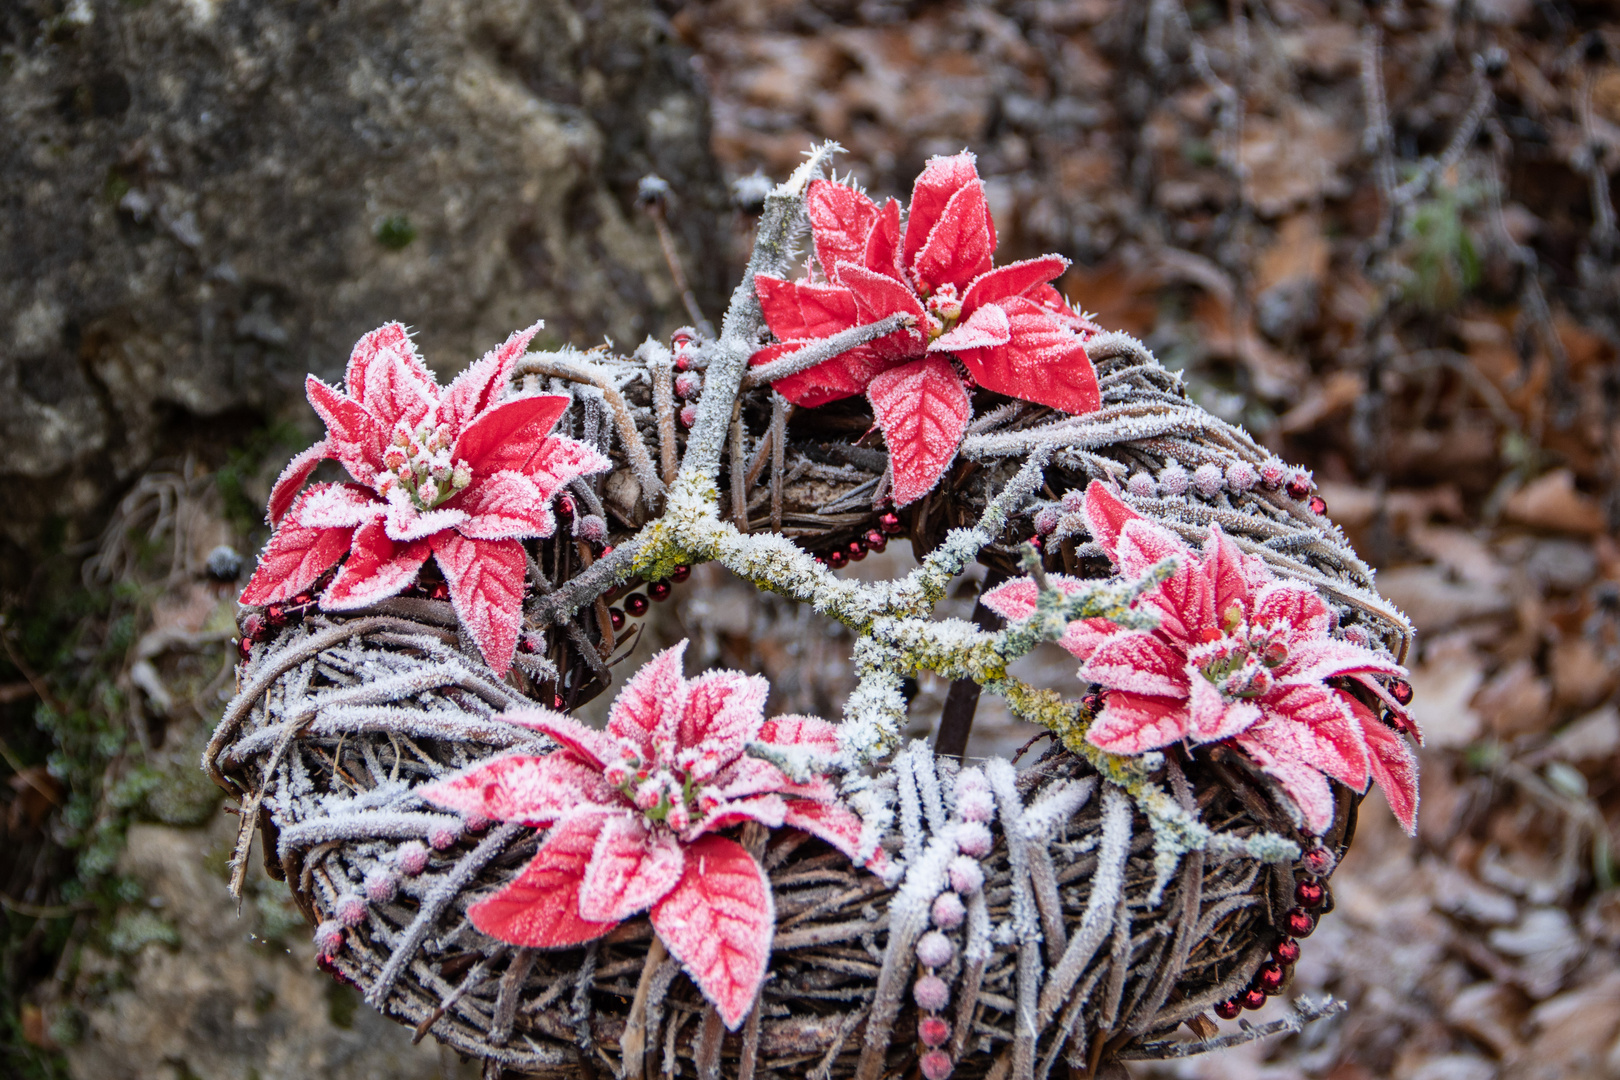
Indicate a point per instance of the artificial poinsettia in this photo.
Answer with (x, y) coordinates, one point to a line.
(1237, 655)
(635, 812)
(460, 474)
(1010, 329)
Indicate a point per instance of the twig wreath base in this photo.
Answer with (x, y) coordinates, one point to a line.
(354, 713)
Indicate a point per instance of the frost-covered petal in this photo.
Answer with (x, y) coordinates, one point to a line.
(387, 377)
(1132, 723)
(479, 387)
(883, 242)
(1106, 515)
(923, 410)
(595, 747)
(878, 297)
(722, 712)
(338, 506)
(984, 329)
(1299, 779)
(1223, 563)
(522, 788)
(802, 310)
(1325, 731)
(1185, 601)
(942, 177)
(505, 506)
(509, 435)
(631, 868)
(486, 589)
(1014, 279)
(540, 907)
(405, 522)
(1210, 717)
(718, 923)
(376, 569)
(353, 436)
(650, 701)
(296, 556)
(768, 809)
(1015, 599)
(1042, 360)
(1293, 605)
(959, 244)
(1138, 662)
(291, 481)
(840, 219)
(838, 825)
(1393, 768)
(807, 731)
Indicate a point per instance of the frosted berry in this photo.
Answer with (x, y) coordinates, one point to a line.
(837, 559)
(1208, 479)
(660, 590)
(875, 540)
(381, 885)
(688, 383)
(1273, 472)
(591, 528)
(890, 524)
(1357, 635)
(683, 363)
(1270, 978)
(351, 909)
(1141, 485)
(1318, 505)
(1228, 1009)
(948, 911)
(1319, 860)
(276, 615)
(688, 415)
(253, 628)
(1309, 893)
(441, 837)
(680, 574)
(1173, 479)
(1286, 951)
(973, 838)
(1253, 998)
(565, 505)
(856, 550)
(636, 605)
(412, 857)
(1046, 521)
(969, 781)
(936, 1065)
(328, 938)
(934, 949)
(932, 1031)
(1299, 923)
(1401, 691)
(966, 875)
(1074, 502)
(1299, 484)
(681, 338)
(976, 806)
(616, 618)
(244, 647)
(475, 823)
(932, 993)
(440, 591)
(1240, 476)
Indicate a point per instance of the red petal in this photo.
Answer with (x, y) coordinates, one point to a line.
(1299, 778)
(959, 246)
(1139, 662)
(377, 568)
(986, 329)
(296, 555)
(291, 481)
(1042, 361)
(1294, 605)
(768, 809)
(1223, 564)
(883, 242)
(840, 218)
(486, 588)
(650, 700)
(540, 908)
(923, 410)
(939, 181)
(1394, 769)
(337, 506)
(718, 922)
(1106, 515)
(522, 788)
(485, 380)
(560, 461)
(878, 297)
(1211, 717)
(1131, 723)
(511, 434)
(1185, 601)
(838, 825)
(505, 506)
(631, 869)
(352, 434)
(1014, 279)
(808, 731)
(843, 376)
(723, 710)
(593, 746)
(386, 376)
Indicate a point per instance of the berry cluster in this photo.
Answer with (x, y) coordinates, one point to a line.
(380, 887)
(872, 540)
(637, 604)
(256, 628)
(1310, 894)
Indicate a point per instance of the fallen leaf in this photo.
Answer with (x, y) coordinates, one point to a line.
(1434, 602)
(1551, 502)
(1576, 1030)
(1295, 158)
(1443, 686)
(1582, 675)
(1491, 1013)
(1516, 701)
(1593, 737)
(1332, 395)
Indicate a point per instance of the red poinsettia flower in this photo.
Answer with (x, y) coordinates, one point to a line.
(1238, 655)
(460, 473)
(1008, 326)
(634, 813)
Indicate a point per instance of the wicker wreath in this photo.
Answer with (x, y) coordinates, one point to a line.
(1115, 900)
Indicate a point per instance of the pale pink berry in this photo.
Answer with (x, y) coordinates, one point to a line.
(1208, 480)
(351, 909)
(1047, 521)
(948, 911)
(1319, 860)
(1356, 634)
(934, 949)
(329, 938)
(381, 884)
(932, 993)
(936, 1065)
(976, 806)
(440, 837)
(969, 780)
(476, 822)
(1240, 476)
(1273, 472)
(967, 876)
(591, 528)
(1173, 479)
(412, 857)
(973, 838)
(932, 1031)
(688, 415)
(1074, 501)
(1141, 485)
(688, 383)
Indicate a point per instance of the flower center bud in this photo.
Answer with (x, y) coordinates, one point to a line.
(419, 464)
(944, 309)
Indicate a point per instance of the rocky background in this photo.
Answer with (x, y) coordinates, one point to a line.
(1382, 236)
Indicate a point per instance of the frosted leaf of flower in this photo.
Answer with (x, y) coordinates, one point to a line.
(948, 911)
(1074, 501)
(1240, 476)
(412, 857)
(1173, 479)
(976, 806)
(1141, 485)
(351, 909)
(1046, 520)
(381, 884)
(973, 838)
(591, 528)
(328, 938)
(966, 875)
(931, 993)
(1273, 472)
(440, 837)
(936, 1065)
(934, 949)
(1208, 480)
